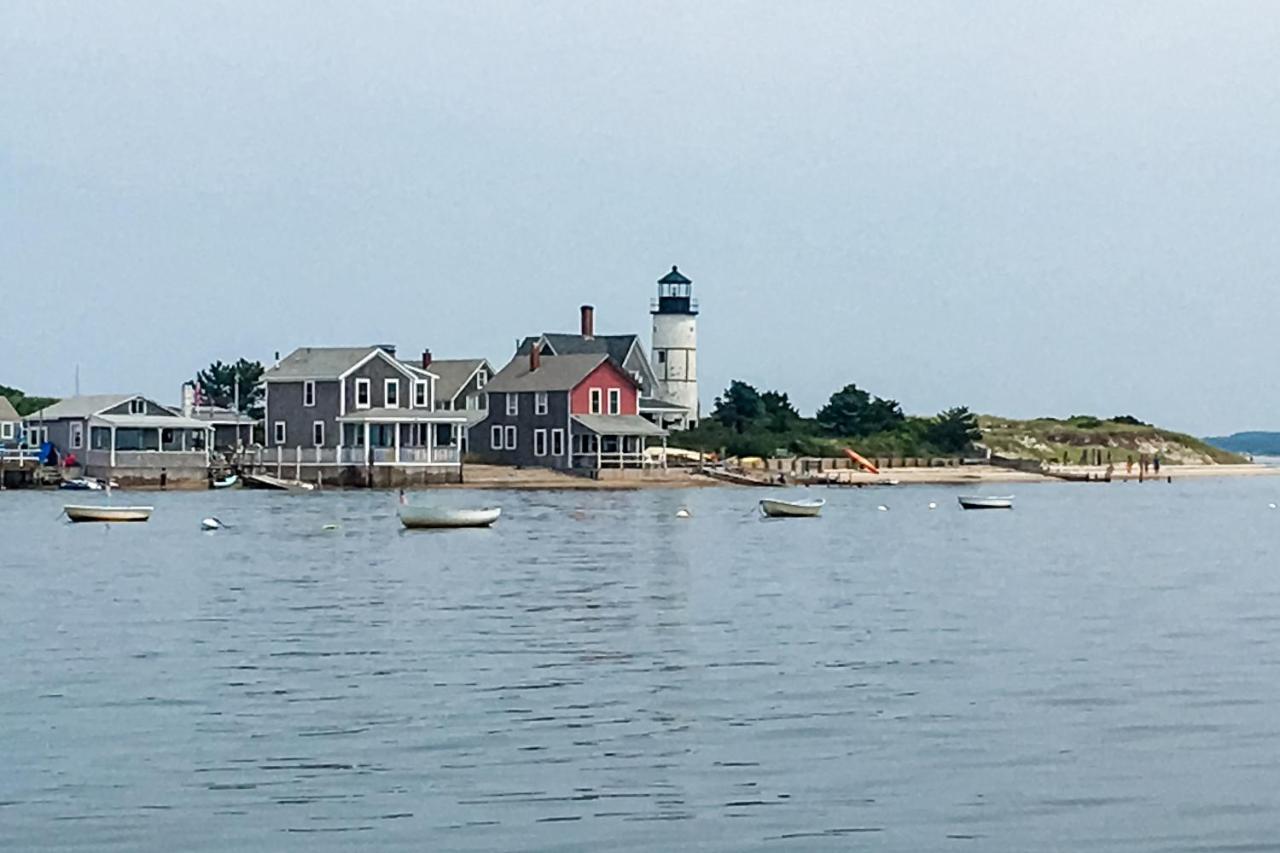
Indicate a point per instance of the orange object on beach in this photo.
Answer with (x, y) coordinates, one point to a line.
(861, 460)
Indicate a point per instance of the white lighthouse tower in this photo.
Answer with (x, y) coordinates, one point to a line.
(675, 343)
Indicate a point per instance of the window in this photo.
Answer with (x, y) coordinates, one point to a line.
(309, 393)
(484, 402)
(540, 403)
(513, 404)
(420, 394)
(278, 435)
(662, 356)
(511, 438)
(317, 433)
(615, 401)
(362, 393)
(595, 401)
(557, 442)
(482, 379)
(6, 430)
(137, 406)
(37, 436)
(473, 402)
(495, 438)
(100, 438)
(391, 393)
(77, 435)
(539, 442)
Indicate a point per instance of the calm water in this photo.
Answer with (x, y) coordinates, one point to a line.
(1099, 669)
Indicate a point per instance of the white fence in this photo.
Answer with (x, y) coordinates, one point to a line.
(346, 456)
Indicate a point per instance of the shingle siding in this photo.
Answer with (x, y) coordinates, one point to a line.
(284, 403)
(525, 422)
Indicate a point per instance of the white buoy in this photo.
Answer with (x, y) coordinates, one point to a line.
(882, 508)
(932, 505)
(211, 523)
(329, 527)
(1271, 506)
(682, 513)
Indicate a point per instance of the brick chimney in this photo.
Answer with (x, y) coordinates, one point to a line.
(426, 359)
(588, 321)
(535, 357)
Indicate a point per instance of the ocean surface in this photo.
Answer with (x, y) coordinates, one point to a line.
(1097, 670)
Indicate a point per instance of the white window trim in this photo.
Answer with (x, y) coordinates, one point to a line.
(367, 385)
(137, 406)
(557, 442)
(387, 385)
(596, 401)
(513, 404)
(425, 387)
(540, 403)
(309, 393)
(482, 378)
(320, 441)
(615, 401)
(495, 437)
(6, 431)
(77, 435)
(512, 438)
(278, 433)
(539, 437)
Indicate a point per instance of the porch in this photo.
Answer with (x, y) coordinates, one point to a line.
(612, 441)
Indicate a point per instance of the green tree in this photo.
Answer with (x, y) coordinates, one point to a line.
(779, 414)
(23, 404)
(853, 412)
(954, 430)
(218, 384)
(739, 408)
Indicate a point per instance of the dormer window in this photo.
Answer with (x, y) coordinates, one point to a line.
(482, 379)
(137, 406)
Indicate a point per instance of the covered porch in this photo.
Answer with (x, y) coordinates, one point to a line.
(666, 415)
(612, 441)
(128, 440)
(400, 437)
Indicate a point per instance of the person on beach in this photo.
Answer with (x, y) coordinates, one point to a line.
(1128, 465)
(1155, 464)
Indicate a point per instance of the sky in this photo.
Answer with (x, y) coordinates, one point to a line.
(1025, 208)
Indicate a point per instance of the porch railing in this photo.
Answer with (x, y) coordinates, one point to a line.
(356, 456)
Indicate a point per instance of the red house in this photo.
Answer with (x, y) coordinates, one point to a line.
(566, 411)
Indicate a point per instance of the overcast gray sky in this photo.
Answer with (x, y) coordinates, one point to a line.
(1025, 208)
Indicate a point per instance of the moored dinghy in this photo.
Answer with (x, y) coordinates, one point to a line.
(975, 502)
(438, 518)
(107, 513)
(792, 509)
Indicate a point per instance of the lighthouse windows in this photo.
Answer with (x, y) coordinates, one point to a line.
(662, 356)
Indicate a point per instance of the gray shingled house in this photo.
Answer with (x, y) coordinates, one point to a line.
(10, 425)
(460, 384)
(625, 350)
(125, 437)
(358, 416)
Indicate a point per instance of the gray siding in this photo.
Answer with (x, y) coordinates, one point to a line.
(284, 403)
(525, 422)
(377, 371)
(471, 389)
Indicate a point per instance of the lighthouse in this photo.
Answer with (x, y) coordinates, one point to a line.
(675, 343)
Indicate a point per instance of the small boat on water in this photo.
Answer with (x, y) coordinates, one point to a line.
(226, 482)
(83, 484)
(437, 517)
(107, 513)
(975, 502)
(792, 509)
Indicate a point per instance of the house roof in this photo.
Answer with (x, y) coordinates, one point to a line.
(452, 373)
(7, 411)
(151, 421)
(616, 347)
(318, 363)
(556, 373)
(221, 415)
(675, 277)
(655, 405)
(80, 407)
(619, 425)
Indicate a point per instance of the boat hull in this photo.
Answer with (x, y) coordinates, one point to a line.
(227, 483)
(791, 509)
(435, 518)
(985, 503)
(108, 514)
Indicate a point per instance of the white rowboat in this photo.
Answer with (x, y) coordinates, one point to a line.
(107, 513)
(973, 502)
(791, 509)
(226, 482)
(435, 517)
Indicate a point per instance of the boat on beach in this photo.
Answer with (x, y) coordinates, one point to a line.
(441, 518)
(975, 502)
(791, 509)
(79, 513)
